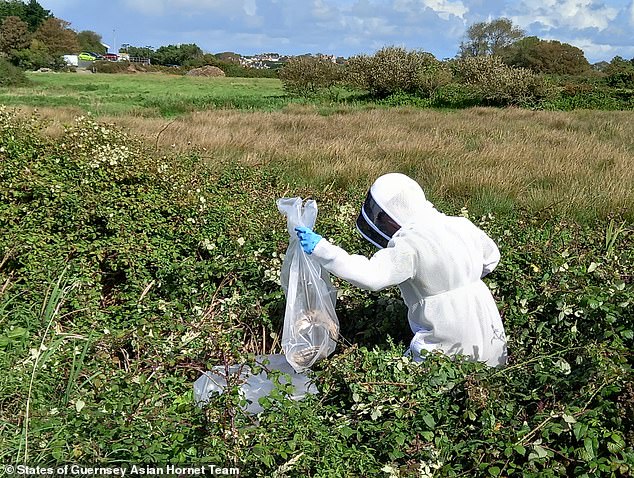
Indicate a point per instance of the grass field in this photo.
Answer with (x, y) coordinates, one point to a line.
(144, 94)
(578, 163)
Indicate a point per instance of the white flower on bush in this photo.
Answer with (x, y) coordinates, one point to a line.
(207, 244)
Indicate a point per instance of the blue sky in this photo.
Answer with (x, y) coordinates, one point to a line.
(602, 29)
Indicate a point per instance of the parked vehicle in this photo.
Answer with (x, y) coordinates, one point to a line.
(88, 56)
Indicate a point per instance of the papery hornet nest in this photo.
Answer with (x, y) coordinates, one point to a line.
(317, 327)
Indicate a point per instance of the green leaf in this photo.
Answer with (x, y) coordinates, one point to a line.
(429, 420)
(17, 332)
(587, 444)
(580, 430)
(494, 471)
(541, 453)
(617, 444)
(346, 431)
(568, 418)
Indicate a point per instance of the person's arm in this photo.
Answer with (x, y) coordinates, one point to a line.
(491, 254)
(388, 267)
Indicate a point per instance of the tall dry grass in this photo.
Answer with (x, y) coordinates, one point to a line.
(570, 161)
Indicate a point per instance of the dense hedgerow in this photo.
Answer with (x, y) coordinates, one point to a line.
(125, 273)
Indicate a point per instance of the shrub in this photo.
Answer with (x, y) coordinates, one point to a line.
(499, 84)
(103, 66)
(394, 69)
(620, 73)
(308, 75)
(456, 95)
(35, 57)
(11, 75)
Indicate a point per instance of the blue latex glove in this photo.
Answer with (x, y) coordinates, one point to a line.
(307, 238)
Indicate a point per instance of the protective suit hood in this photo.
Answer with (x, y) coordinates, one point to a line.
(393, 201)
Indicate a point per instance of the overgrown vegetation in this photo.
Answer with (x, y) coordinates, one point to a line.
(11, 75)
(398, 77)
(126, 272)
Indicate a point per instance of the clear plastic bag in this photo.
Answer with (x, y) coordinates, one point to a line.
(253, 387)
(311, 327)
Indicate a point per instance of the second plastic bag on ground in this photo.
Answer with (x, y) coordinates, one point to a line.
(310, 322)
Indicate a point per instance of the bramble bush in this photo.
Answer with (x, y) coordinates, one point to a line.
(125, 273)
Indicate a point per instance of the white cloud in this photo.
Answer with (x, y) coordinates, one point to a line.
(446, 8)
(632, 13)
(575, 14)
(250, 7)
(595, 51)
(323, 11)
(190, 7)
(443, 8)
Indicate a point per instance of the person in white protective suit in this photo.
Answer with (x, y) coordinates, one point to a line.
(437, 261)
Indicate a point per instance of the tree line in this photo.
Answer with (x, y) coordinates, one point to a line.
(31, 37)
(497, 64)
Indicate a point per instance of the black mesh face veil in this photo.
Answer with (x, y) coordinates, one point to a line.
(374, 224)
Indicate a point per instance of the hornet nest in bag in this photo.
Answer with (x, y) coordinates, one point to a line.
(318, 326)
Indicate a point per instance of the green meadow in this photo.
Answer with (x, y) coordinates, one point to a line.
(148, 94)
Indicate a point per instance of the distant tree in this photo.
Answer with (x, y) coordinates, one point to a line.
(91, 41)
(498, 84)
(138, 51)
(176, 54)
(32, 12)
(397, 70)
(35, 15)
(58, 37)
(546, 56)
(14, 35)
(489, 38)
(12, 8)
(34, 57)
(620, 73)
(307, 75)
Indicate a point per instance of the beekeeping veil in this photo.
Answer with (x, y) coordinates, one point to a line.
(393, 201)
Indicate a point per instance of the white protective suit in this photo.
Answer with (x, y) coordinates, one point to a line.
(438, 262)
